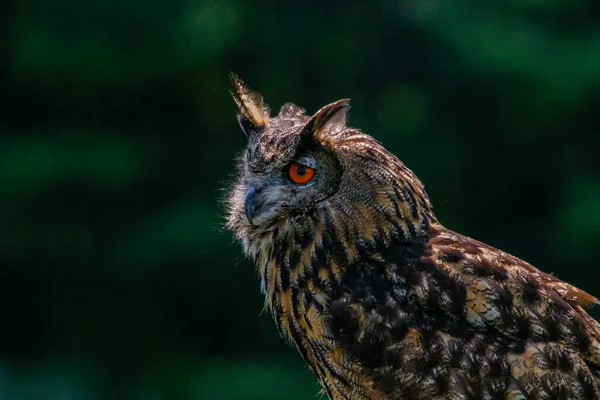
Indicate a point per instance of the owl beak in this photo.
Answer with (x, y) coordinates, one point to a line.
(250, 204)
(258, 206)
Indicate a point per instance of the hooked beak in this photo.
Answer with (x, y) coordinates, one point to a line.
(259, 205)
(251, 204)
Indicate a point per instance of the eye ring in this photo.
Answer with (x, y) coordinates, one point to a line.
(300, 173)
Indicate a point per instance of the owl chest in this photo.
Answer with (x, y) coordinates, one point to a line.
(304, 316)
(299, 308)
(297, 292)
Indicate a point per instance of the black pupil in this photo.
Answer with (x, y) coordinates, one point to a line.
(300, 170)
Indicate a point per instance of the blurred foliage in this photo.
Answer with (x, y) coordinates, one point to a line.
(118, 134)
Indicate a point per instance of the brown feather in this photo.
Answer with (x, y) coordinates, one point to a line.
(250, 104)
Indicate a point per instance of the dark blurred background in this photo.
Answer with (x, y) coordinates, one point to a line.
(118, 134)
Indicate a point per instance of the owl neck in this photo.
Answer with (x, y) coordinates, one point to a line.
(303, 261)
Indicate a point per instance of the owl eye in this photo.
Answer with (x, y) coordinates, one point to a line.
(300, 173)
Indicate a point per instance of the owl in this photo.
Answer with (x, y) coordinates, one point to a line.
(380, 299)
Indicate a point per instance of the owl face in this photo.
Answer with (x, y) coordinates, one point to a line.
(289, 167)
(286, 170)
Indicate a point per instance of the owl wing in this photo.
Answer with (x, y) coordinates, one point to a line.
(453, 318)
(551, 343)
(511, 296)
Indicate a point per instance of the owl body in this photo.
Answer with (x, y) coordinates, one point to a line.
(379, 298)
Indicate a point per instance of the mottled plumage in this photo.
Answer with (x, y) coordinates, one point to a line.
(380, 299)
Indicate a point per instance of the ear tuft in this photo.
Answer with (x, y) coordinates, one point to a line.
(329, 120)
(254, 113)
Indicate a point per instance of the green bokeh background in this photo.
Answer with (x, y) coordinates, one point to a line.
(118, 134)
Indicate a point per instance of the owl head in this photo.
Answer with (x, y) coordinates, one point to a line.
(298, 168)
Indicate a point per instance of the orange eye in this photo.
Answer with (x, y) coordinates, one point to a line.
(300, 173)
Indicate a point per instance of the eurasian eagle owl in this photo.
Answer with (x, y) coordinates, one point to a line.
(380, 299)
